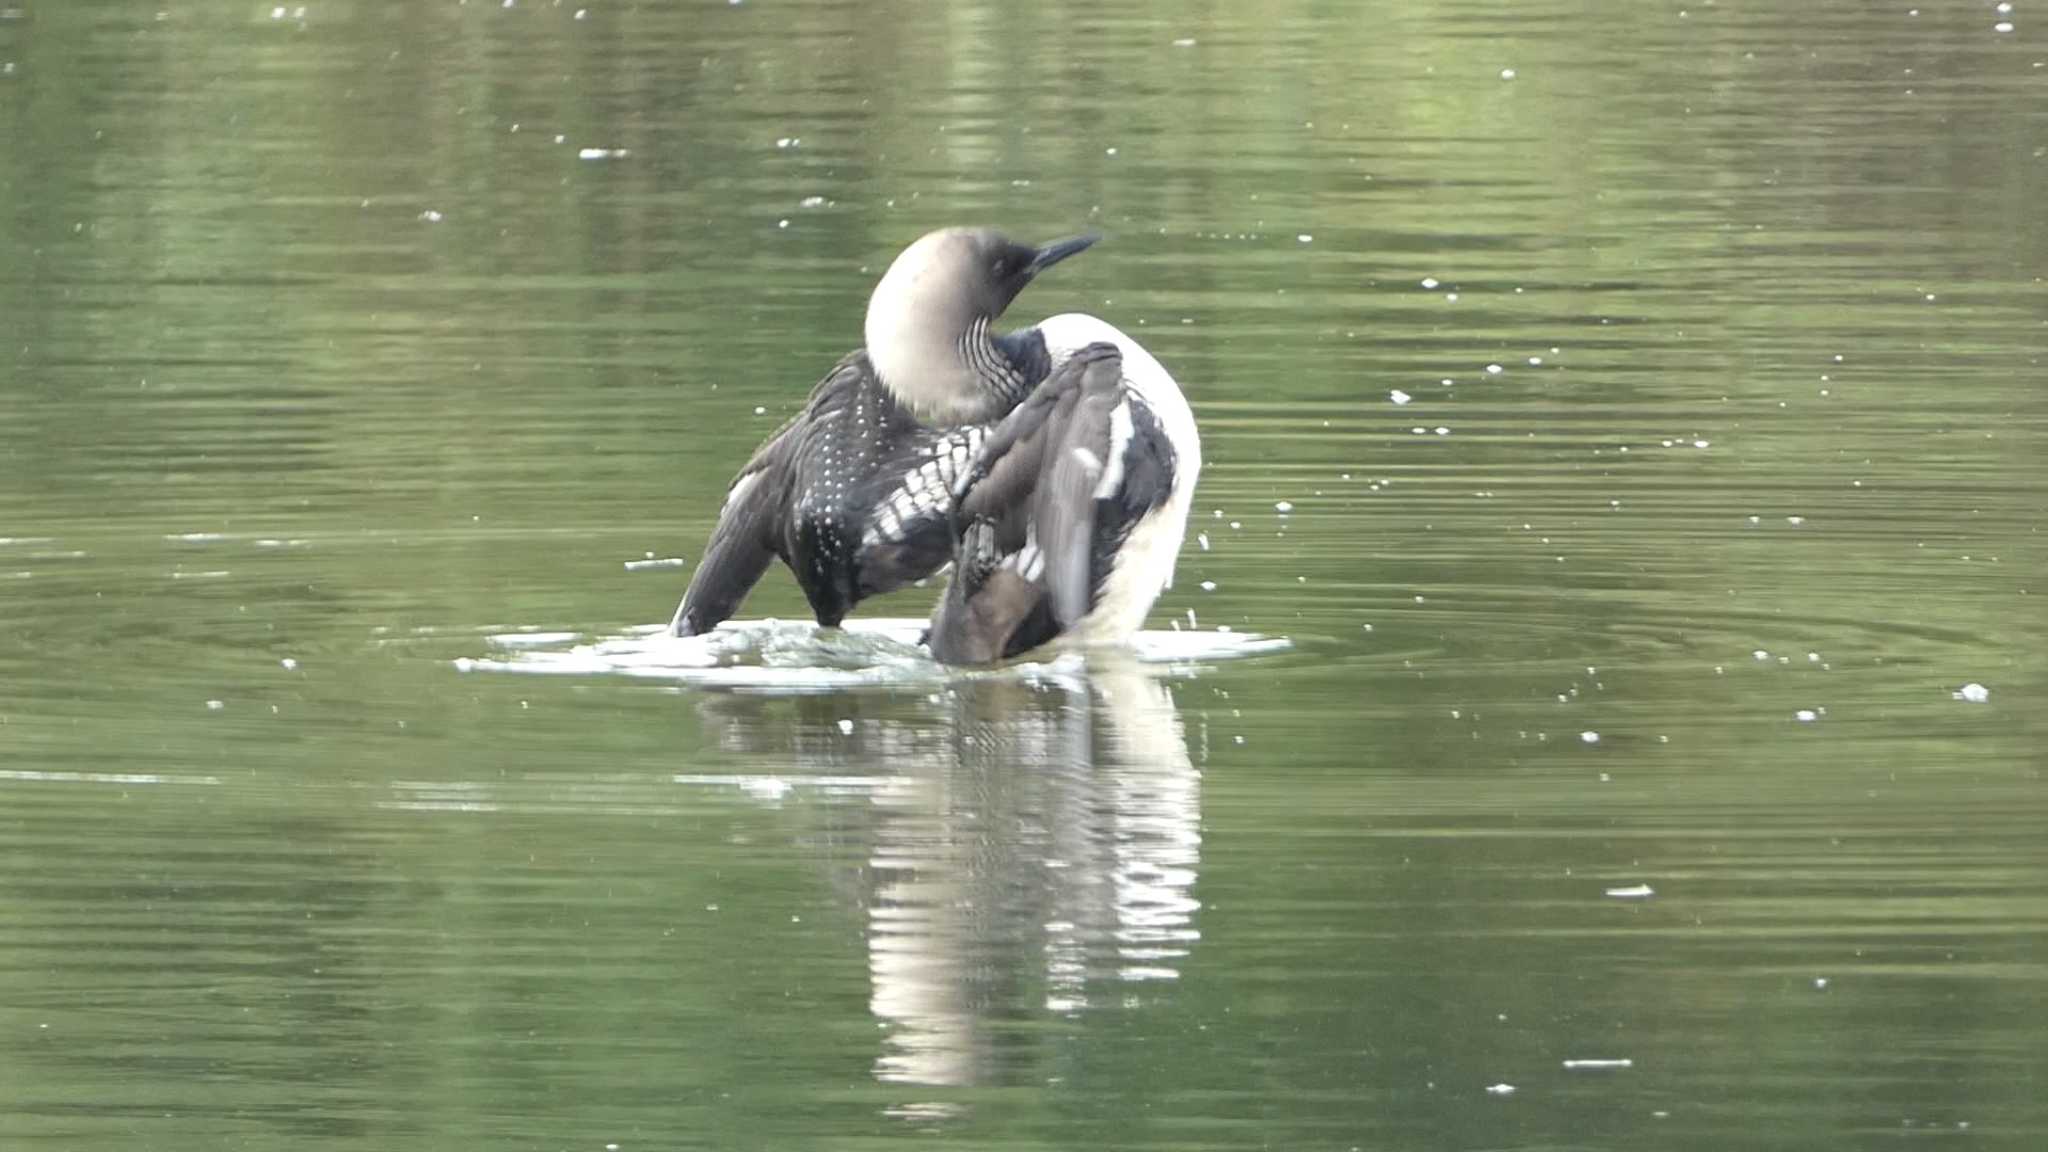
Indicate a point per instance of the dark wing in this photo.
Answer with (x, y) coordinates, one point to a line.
(1025, 515)
(752, 526)
(744, 540)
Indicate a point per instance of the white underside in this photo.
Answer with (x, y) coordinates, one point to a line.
(1143, 569)
(1144, 565)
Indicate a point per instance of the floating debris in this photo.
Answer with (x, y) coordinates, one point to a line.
(1589, 737)
(1283, 507)
(1599, 1065)
(288, 664)
(846, 727)
(1973, 692)
(1507, 73)
(1500, 1089)
(215, 705)
(1429, 282)
(1806, 715)
(602, 153)
(1399, 397)
(1632, 892)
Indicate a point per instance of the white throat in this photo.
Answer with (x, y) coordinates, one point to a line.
(928, 344)
(923, 366)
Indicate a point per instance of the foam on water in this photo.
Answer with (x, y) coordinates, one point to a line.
(798, 657)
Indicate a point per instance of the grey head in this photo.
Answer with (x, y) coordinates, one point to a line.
(928, 320)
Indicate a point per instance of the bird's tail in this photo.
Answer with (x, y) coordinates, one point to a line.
(741, 547)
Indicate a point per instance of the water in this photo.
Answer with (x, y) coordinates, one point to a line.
(331, 350)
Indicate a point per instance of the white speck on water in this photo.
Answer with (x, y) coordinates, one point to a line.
(846, 727)
(782, 223)
(1442, 431)
(196, 537)
(1202, 538)
(1795, 521)
(1208, 585)
(277, 13)
(215, 705)
(1419, 430)
(1500, 1089)
(2001, 26)
(1109, 151)
(1283, 507)
(787, 141)
(288, 664)
(1305, 238)
(1494, 369)
(765, 787)
(1450, 297)
(602, 153)
(1237, 739)
(1399, 397)
(1184, 42)
(1806, 715)
(1700, 443)
(760, 410)
(1813, 657)
(655, 562)
(582, 13)
(1236, 524)
(1820, 982)
(431, 216)
(1589, 737)
(464, 664)
(1507, 73)
(1594, 1065)
(1632, 892)
(1973, 692)
(1536, 361)
(1419, 599)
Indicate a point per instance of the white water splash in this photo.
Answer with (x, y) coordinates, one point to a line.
(797, 657)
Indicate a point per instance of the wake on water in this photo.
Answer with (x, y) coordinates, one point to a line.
(792, 657)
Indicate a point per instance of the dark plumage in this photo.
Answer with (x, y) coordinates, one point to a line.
(1043, 519)
(854, 493)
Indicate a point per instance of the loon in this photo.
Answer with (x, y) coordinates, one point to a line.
(854, 493)
(1068, 521)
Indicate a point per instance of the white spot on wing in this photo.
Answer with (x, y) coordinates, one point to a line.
(1120, 434)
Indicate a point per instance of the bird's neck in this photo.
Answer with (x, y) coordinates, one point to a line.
(961, 377)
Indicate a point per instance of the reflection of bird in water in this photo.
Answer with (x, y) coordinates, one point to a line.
(1028, 844)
